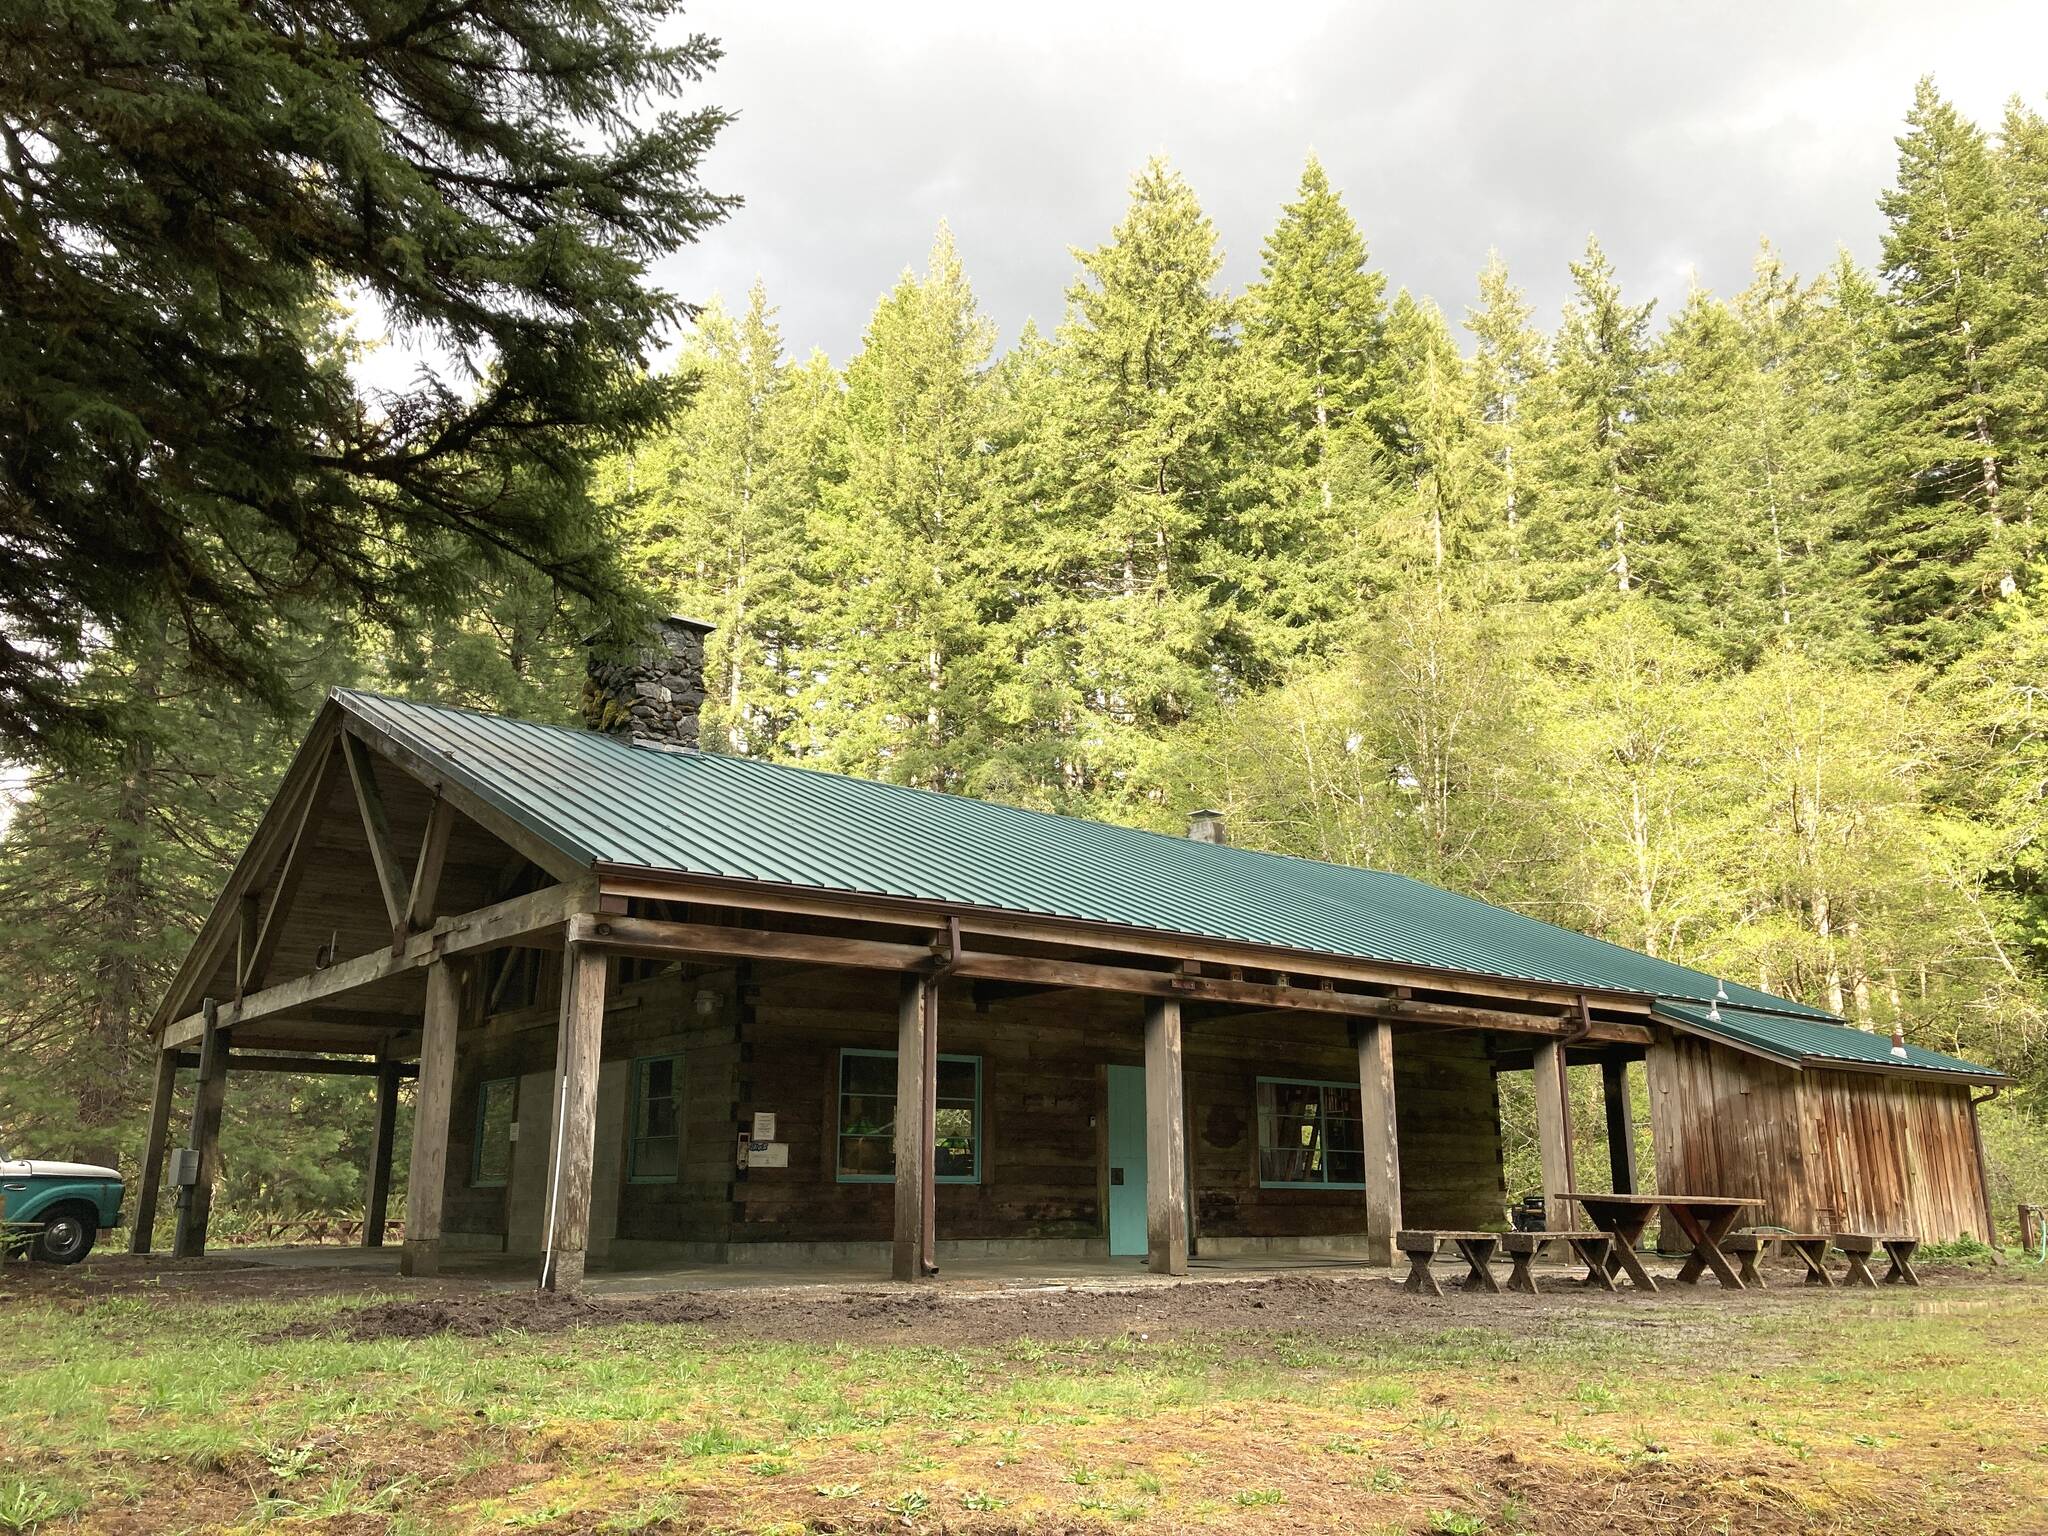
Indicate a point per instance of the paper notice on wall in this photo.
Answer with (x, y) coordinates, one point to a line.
(764, 1125)
(768, 1154)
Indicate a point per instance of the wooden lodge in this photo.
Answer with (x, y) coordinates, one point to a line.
(661, 1002)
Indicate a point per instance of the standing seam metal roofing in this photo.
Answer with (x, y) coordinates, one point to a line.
(1818, 1040)
(604, 800)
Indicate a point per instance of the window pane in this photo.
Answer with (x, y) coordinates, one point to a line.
(861, 1073)
(867, 1156)
(657, 1123)
(495, 1103)
(1309, 1133)
(867, 1117)
(657, 1158)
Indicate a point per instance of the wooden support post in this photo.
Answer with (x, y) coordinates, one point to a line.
(1621, 1131)
(142, 1233)
(916, 1045)
(1166, 1190)
(1554, 1130)
(427, 1175)
(1382, 1141)
(377, 1201)
(195, 1200)
(579, 1043)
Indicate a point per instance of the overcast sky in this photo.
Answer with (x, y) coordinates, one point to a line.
(1680, 133)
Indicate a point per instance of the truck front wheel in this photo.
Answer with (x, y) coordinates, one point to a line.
(66, 1237)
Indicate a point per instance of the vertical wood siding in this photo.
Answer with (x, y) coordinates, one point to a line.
(1824, 1150)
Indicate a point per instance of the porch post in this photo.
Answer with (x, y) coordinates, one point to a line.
(1375, 1039)
(578, 1046)
(427, 1177)
(1621, 1131)
(382, 1131)
(141, 1232)
(1166, 1191)
(916, 1102)
(1554, 1130)
(195, 1200)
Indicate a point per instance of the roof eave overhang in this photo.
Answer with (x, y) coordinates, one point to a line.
(1091, 933)
(1702, 1032)
(1962, 1078)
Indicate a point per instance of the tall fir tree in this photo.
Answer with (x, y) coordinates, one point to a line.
(1132, 629)
(1941, 527)
(1315, 374)
(905, 577)
(717, 514)
(1588, 420)
(1508, 364)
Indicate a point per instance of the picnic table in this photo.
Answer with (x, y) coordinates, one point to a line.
(1705, 1219)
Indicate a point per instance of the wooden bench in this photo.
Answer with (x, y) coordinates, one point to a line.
(1810, 1247)
(1476, 1248)
(1590, 1247)
(1857, 1248)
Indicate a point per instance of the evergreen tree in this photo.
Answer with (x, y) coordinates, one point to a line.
(1435, 451)
(1942, 544)
(1507, 365)
(1132, 631)
(905, 577)
(1588, 417)
(185, 190)
(717, 511)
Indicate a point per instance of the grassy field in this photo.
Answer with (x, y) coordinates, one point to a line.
(1337, 1406)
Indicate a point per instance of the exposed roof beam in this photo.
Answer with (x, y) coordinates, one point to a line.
(426, 872)
(362, 773)
(523, 919)
(509, 831)
(1086, 934)
(266, 846)
(651, 937)
(256, 964)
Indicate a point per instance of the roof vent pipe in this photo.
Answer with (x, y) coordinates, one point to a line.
(1206, 827)
(1898, 1040)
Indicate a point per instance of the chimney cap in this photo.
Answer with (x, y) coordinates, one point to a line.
(667, 620)
(1206, 827)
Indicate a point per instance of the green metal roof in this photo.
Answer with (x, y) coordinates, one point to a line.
(603, 800)
(1817, 1040)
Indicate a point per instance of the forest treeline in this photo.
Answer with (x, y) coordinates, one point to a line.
(1716, 633)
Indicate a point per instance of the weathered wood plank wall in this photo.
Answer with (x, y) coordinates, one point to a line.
(1824, 1150)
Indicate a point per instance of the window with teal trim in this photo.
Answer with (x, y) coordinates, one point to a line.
(1310, 1135)
(657, 1150)
(867, 1119)
(490, 1163)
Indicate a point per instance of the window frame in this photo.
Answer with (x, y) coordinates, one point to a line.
(476, 1151)
(633, 1136)
(839, 1173)
(1322, 1087)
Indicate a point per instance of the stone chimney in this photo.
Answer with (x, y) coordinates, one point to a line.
(1206, 827)
(650, 692)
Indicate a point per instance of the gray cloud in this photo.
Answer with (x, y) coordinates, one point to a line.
(1680, 133)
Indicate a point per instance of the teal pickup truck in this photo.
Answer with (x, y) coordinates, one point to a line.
(59, 1207)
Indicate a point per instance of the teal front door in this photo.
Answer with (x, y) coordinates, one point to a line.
(1127, 1161)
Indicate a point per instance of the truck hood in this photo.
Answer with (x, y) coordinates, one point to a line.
(42, 1168)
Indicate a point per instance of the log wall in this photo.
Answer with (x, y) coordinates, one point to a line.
(1825, 1151)
(1045, 1164)
(772, 1042)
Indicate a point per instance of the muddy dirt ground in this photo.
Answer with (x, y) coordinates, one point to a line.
(1341, 1303)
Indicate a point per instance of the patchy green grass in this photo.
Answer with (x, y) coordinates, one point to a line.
(1911, 1412)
